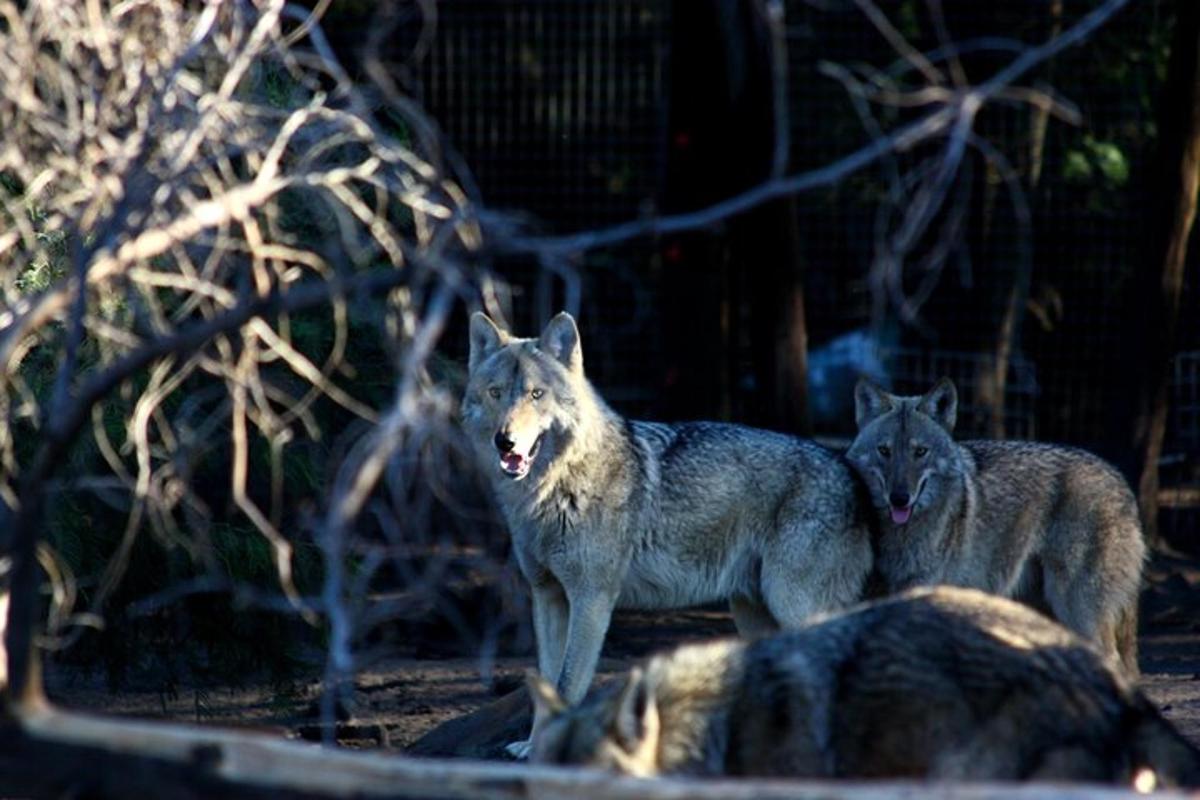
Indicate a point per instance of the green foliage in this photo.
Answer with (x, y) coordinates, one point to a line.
(10, 185)
(908, 19)
(280, 90)
(42, 271)
(1095, 160)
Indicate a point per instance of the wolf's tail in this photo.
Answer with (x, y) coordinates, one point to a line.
(1126, 636)
(1156, 745)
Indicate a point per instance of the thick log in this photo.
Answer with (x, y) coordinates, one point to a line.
(48, 753)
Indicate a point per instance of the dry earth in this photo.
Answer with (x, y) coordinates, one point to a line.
(401, 699)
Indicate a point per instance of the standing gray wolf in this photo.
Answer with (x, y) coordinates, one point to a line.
(607, 512)
(942, 683)
(1051, 526)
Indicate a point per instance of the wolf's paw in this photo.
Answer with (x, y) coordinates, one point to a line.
(519, 750)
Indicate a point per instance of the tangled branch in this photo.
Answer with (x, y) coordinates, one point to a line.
(179, 189)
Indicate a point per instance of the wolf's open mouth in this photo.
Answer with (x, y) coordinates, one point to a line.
(902, 514)
(516, 465)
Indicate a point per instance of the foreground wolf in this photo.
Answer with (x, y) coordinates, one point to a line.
(942, 683)
(608, 512)
(1051, 526)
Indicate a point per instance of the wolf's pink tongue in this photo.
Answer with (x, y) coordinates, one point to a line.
(513, 461)
(901, 515)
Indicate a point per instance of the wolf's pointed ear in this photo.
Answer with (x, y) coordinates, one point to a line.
(941, 403)
(486, 338)
(870, 402)
(635, 723)
(547, 703)
(561, 340)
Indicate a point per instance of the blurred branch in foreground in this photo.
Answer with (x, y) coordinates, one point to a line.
(179, 188)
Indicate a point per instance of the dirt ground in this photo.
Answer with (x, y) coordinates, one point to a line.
(399, 700)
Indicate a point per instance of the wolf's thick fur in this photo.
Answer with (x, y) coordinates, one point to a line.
(1051, 526)
(942, 683)
(608, 512)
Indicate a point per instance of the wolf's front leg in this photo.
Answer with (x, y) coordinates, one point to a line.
(752, 618)
(587, 622)
(550, 615)
(590, 614)
(550, 612)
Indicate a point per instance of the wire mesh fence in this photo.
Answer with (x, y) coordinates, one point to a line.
(560, 110)
(917, 370)
(565, 112)
(1180, 463)
(1081, 183)
(1183, 431)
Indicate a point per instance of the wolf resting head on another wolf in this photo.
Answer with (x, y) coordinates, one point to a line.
(1053, 526)
(904, 448)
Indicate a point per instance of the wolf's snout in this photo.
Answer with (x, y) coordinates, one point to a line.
(901, 507)
(516, 456)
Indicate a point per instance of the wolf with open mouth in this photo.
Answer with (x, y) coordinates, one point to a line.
(1052, 526)
(607, 512)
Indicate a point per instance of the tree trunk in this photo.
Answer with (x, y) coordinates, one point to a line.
(769, 247)
(734, 300)
(1173, 211)
(1008, 332)
(695, 335)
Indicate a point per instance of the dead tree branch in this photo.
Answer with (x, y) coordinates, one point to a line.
(948, 125)
(165, 173)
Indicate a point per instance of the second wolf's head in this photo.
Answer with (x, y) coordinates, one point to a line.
(614, 730)
(904, 449)
(524, 397)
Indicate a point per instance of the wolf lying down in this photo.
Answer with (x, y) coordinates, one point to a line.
(941, 683)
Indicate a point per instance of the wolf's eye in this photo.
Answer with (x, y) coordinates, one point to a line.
(494, 391)
(920, 452)
(536, 394)
(885, 451)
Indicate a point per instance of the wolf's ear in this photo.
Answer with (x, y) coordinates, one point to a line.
(635, 724)
(870, 402)
(941, 403)
(486, 338)
(547, 703)
(561, 340)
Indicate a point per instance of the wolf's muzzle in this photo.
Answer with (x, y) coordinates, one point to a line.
(514, 464)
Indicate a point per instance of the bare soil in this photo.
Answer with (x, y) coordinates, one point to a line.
(400, 699)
